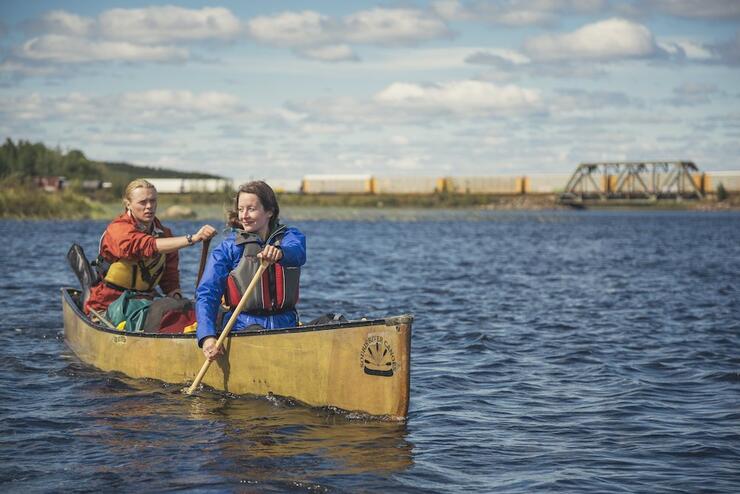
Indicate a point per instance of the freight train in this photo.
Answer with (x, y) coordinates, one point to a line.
(555, 183)
(707, 183)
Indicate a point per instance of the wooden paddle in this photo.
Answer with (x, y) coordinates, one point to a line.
(230, 324)
(203, 259)
(103, 319)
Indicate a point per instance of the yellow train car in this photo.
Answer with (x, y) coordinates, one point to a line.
(337, 184)
(502, 184)
(407, 185)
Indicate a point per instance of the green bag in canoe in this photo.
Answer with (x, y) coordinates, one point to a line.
(130, 309)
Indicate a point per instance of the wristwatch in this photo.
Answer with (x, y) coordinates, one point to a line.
(189, 238)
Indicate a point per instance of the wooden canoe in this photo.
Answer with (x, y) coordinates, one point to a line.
(358, 366)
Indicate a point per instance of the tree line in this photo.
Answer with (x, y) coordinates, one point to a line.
(23, 160)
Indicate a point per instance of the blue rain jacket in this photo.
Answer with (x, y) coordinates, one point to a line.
(221, 262)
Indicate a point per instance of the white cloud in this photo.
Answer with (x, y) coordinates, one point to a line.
(322, 37)
(515, 13)
(430, 58)
(524, 18)
(509, 14)
(449, 9)
(406, 162)
(495, 140)
(330, 53)
(684, 48)
(612, 39)
(497, 57)
(322, 129)
(27, 107)
(127, 34)
(509, 65)
(73, 104)
(305, 28)
(576, 101)
(15, 68)
(392, 26)
(695, 88)
(418, 106)
(704, 9)
(165, 106)
(286, 116)
(168, 23)
(67, 49)
(693, 93)
(469, 96)
(61, 22)
(344, 110)
(169, 102)
(125, 139)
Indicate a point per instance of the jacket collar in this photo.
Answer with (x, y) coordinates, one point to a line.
(243, 237)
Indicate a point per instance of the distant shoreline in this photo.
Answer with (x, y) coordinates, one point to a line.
(19, 204)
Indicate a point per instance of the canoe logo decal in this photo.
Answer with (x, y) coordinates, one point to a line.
(377, 357)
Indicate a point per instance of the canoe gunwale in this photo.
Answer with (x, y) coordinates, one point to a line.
(389, 321)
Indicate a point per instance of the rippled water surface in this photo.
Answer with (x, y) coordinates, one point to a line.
(552, 352)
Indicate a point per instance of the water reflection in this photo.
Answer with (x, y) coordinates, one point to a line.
(243, 439)
(268, 429)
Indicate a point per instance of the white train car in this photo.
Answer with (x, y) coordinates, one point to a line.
(337, 184)
(167, 185)
(546, 183)
(279, 185)
(502, 184)
(407, 185)
(285, 185)
(207, 185)
(190, 185)
(730, 180)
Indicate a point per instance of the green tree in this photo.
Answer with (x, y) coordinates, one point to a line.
(721, 192)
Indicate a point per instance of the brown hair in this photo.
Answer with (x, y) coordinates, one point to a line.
(267, 198)
(135, 184)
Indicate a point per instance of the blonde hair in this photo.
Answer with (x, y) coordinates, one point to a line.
(133, 185)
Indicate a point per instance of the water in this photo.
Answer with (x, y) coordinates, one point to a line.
(552, 352)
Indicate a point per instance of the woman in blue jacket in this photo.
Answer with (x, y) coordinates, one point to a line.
(258, 235)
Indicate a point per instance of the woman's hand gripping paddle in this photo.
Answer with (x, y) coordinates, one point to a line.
(230, 324)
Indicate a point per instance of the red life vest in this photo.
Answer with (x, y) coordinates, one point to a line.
(278, 288)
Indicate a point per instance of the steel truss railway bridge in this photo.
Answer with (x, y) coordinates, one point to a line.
(634, 181)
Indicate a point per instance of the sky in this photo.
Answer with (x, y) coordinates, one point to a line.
(283, 89)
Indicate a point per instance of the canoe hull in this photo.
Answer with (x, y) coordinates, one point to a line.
(358, 366)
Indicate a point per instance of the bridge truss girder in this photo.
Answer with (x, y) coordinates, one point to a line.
(636, 180)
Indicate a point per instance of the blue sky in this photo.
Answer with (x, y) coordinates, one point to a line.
(285, 89)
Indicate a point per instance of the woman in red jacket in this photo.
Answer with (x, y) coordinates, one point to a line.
(137, 252)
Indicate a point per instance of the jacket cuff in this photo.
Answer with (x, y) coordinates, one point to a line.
(201, 339)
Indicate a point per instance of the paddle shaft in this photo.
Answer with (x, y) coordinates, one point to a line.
(230, 324)
(103, 319)
(203, 259)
